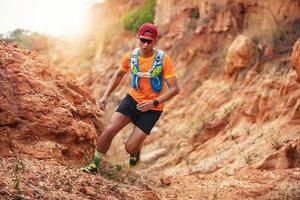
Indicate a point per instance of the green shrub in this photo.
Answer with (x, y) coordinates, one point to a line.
(27, 39)
(133, 19)
(20, 37)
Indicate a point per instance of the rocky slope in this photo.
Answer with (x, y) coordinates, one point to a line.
(232, 133)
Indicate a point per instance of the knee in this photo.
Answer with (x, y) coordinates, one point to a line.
(132, 148)
(108, 133)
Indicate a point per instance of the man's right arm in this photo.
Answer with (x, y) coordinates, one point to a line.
(116, 79)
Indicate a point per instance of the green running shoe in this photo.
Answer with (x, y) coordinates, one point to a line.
(90, 169)
(134, 159)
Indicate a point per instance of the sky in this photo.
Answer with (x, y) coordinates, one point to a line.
(52, 17)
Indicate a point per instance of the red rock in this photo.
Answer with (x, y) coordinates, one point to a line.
(150, 196)
(45, 115)
(89, 190)
(18, 58)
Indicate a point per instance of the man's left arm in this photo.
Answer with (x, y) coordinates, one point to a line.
(173, 89)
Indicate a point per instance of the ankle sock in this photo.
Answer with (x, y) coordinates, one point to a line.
(135, 154)
(97, 158)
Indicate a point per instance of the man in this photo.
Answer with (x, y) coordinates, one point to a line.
(153, 82)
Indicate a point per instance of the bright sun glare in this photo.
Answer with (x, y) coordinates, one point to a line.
(55, 17)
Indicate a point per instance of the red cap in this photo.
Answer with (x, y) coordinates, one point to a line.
(148, 27)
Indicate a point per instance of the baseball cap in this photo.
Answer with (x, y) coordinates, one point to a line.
(148, 27)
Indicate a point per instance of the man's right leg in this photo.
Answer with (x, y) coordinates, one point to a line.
(118, 121)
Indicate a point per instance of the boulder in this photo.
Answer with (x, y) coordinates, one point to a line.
(241, 54)
(42, 114)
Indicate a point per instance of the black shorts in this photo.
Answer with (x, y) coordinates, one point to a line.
(143, 120)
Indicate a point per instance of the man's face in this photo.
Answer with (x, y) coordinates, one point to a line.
(146, 42)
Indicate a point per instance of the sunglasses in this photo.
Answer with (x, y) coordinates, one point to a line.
(143, 40)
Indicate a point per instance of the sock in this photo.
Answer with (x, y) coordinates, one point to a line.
(97, 158)
(135, 154)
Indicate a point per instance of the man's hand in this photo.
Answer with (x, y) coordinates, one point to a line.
(145, 105)
(119, 74)
(102, 102)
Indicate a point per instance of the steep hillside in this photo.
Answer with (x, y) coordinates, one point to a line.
(232, 133)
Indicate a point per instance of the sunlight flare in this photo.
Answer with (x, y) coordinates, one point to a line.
(55, 17)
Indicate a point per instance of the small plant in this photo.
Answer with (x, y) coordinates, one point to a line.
(275, 144)
(215, 197)
(17, 178)
(247, 130)
(119, 168)
(112, 172)
(260, 136)
(232, 136)
(205, 20)
(216, 186)
(228, 174)
(194, 14)
(249, 158)
(132, 179)
(222, 55)
(230, 107)
(212, 116)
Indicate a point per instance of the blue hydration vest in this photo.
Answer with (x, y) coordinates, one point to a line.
(154, 74)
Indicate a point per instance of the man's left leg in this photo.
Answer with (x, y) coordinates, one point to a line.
(134, 144)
